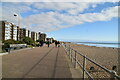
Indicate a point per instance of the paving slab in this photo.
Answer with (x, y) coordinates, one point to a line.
(15, 65)
(62, 72)
(40, 62)
(41, 71)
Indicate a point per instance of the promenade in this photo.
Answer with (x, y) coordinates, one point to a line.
(40, 62)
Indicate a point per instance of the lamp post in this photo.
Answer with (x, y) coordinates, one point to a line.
(18, 27)
(18, 19)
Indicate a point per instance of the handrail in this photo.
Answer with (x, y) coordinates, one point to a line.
(111, 72)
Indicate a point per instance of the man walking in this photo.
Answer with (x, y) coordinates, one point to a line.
(56, 43)
(48, 43)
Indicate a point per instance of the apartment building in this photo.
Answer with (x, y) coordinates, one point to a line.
(7, 30)
(50, 39)
(22, 33)
(14, 32)
(37, 36)
(29, 33)
(18, 32)
(11, 31)
(33, 36)
(43, 36)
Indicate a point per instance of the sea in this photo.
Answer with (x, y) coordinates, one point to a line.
(100, 44)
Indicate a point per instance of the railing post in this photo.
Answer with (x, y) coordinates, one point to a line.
(75, 59)
(71, 55)
(112, 76)
(84, 66)
(69, 52)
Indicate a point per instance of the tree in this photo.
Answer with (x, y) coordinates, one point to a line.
(7, 43)
(27, 40)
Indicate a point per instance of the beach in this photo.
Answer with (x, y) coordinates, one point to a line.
(107, 57)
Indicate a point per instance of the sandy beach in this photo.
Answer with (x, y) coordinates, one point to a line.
(107, 57)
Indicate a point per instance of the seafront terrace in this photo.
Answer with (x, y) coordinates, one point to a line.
(39, 62)
(47, 62)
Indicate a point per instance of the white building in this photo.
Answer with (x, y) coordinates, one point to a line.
(35, 36)
(27, 32)
(15, 32)
(8, 30)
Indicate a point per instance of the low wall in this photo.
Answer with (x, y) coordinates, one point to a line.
(13, 46)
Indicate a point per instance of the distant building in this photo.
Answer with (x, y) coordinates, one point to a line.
(29, 33)
(18, 33)
(42, 36)
(39, 35)
(10, 31)
(50, 39)
(22, 33)
(33, 36)
(36, 36)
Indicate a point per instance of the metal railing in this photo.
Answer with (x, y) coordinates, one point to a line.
(85, 72)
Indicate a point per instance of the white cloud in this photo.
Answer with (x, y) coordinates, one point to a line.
(59, 0)
(54, 20)
(69, 7)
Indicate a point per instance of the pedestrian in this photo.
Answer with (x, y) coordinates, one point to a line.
(56, 43)
(41, 43)
(48, 43)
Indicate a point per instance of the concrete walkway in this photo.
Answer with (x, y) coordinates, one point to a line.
(41, 62)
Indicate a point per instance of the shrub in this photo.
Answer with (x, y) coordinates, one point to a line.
(27, 40)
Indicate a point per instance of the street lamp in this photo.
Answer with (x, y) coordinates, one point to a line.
(18, 19)
(18, 28)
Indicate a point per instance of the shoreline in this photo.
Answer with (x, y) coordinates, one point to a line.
(94, 46)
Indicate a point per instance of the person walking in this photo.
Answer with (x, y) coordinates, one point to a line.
(42, 42)
(48, 43)
(56, 43)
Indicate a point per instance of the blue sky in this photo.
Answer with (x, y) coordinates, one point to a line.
(67, 21)
(98, 31)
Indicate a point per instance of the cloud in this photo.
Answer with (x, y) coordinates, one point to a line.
(9, 9)
(58, 15)
(71, 8)
(54, 21)
(60, 0)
